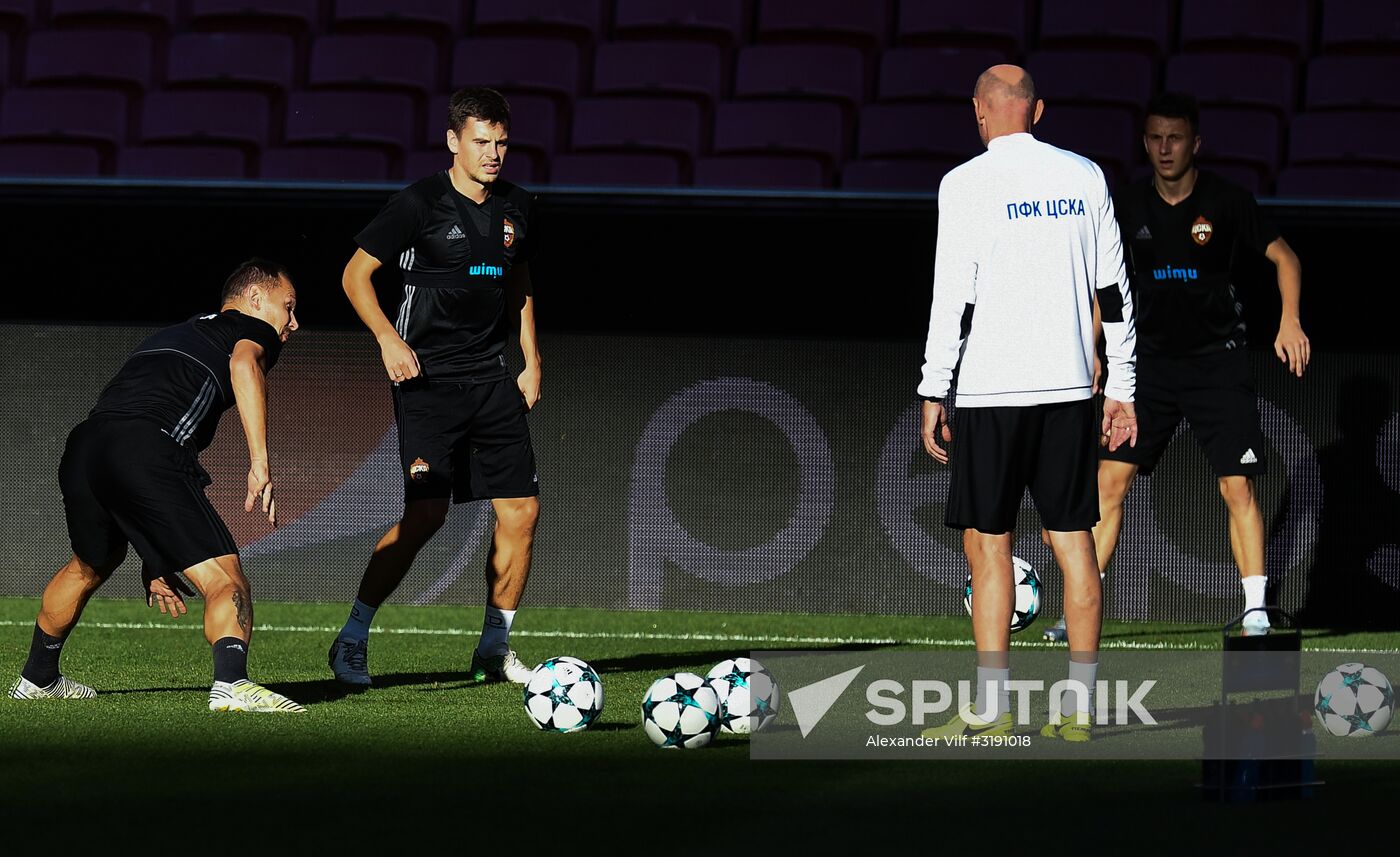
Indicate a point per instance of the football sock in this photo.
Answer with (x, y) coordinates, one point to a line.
(357, 626)
(42, 666)
(230, 660)
(1254, 593)
(1070, 702)
(1002, 700)
(495, 632)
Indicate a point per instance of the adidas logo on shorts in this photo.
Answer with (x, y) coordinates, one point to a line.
(1249, 457)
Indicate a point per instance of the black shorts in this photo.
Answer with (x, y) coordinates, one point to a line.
(1215, 393)
(467, 441)
(1000, 452)
(127, 482)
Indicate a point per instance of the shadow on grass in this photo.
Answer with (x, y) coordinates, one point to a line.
(666, 662)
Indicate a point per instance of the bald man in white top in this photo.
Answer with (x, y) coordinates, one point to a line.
(1028, 255)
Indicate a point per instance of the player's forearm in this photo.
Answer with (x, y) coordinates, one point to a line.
(1113, 314)
(529, 343)
(944, 342)
(1290, 286)
(250, 393)
(360, 290)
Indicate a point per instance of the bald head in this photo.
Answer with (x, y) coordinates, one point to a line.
(1005, 101)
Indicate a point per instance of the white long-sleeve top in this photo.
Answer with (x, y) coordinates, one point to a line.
(1026, 238)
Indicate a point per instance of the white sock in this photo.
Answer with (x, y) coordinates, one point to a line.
(1070, 703)
(1003, 693)
(357, 626)
(495, 632)
(1254, 594)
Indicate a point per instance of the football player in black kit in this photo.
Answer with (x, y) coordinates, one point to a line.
(1182, 229)
(462, 238)
(130, 476)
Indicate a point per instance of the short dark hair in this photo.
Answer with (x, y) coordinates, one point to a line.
(477, 102)
(254, 272)
(1176, 105)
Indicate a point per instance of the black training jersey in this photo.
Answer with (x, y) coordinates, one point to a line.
(1179, 258)
(455, 254)
(179, 377)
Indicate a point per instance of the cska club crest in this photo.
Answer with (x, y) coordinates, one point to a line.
(1201, 231)
(418, 470)
(509, 231)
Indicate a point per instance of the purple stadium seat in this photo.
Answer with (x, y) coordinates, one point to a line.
(49, 159)
(761, 172)
(173, 162)
(255, 60)
(154, 16)
(1276, 26)
(862, 25)
(1351, 138)
(406, 63)
(1338, 183)
(435, 19)
(535, 124)
(1243, 175)
(4, 58)
(1242, 140)
(1235, 80)
(1000, 25)
(692, 69)
(89, 57)
(522, 166)
(577, 20)
(1109, 136)
(1353, 83)
(780, 127)
(932, 73)
(649, 124)
(549, 66)
(1368, 26)
(379, 119)
(1123, 78)
(65, 116)
(323, 164)
(296, 17)
(902, 175)
(719, 22)
(16, 14)
(209, 116)
(918, 130)
(615, 170)
(801, 71)
(1141, 26)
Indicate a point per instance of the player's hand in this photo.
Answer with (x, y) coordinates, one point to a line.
(400, 362)
(529, 384)
(1098, 374)
(1119, 424)
(260, 493)
(1292, 346)
(936, 427)
(170, 602)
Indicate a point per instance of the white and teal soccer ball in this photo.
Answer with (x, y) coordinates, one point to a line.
(680, 710)
(1027, 593)
(1354, 700)
(563, 695)
(748, 694)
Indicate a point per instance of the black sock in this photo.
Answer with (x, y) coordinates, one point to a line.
(230, 660)
(42, 666)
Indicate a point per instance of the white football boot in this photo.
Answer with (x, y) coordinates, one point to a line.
(244, 695)
(62, 688)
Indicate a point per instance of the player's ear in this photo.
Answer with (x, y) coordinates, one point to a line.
(453, 144)
(1196, 147)
(1039, 109)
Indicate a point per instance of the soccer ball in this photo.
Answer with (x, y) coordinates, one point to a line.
(680, 710)
(1353, 701)
(748, 694)
(563, 695)
(1027, 605)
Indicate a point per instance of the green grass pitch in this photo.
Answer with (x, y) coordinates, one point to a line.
(427, 757)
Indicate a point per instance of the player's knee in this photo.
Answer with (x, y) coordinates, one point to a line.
(1237, 491)
(1084, 601)
(422, 520)
(1113, 485)
(519, 517)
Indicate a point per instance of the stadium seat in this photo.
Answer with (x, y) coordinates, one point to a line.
(1276, 26)
(761, 172)
(580, 21)
(1243, 175)
(403, 63)
(1353, 83)
(16, 14)
(841, 22)
(252, 60)
(803, 129)
(719, 22)
(49, 159)
(1362, 139)
(659, 125)
(1143, 25)
(97, 117)
(547, 66)
(1117, 78)
(831, 72)
(430, 18)
(323, 164)
(206, 116)
(615, 170)
(522, 167)
(1361, 26)
(379, 119)
(535, 124)
(294, 17)
(1338, 182)
(4, 58)
(902, 175)
(114, 58)
(933, 73)
(1000, 25)
(156, 17)
(918, 130)
(173, 162)
(1235, 80)
(1251, 138)
(1108, 136)
(690, 69)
